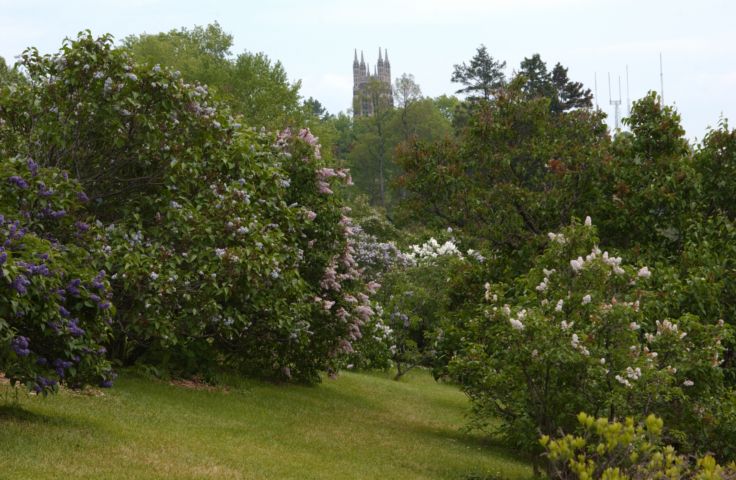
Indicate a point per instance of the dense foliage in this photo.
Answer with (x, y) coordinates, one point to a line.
(124, 177)
(55, 307)
(250, 83)
(624, 451)
(582, 332)
(225, 246)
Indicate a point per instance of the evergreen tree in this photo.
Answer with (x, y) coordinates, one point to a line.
(564, 94)
(482, 77)
(538, 80)
(569, 94)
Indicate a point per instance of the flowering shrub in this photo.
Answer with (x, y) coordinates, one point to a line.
(624, 450)
(119, 128)
(377, 345)
(377, 257)
(252, 270)
(225, 246)
(55, 308)
(575, 334)
(416, 298)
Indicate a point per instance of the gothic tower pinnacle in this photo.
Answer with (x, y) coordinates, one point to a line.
(364, 83)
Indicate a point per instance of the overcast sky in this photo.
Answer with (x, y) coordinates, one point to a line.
(315, 40)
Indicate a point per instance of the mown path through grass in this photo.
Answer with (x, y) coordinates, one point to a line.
(360, 426)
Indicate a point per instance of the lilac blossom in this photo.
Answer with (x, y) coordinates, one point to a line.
(20, 284)
(20, 346)
(32, 167)
(75, 329)
(18, 182)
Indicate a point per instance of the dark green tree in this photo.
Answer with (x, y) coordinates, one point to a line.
(315, 107)
(517, 172)
(201, 54)
(538, 80)
(481, 77)
(250, 83)
(563, 94)
(8, 73)
(569, 94)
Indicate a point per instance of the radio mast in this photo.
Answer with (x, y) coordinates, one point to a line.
(616, 103)
(661, 79)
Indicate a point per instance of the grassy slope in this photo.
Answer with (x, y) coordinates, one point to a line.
(360, 426)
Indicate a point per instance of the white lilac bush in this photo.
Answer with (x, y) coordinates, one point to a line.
(416, 298)
(574, 334)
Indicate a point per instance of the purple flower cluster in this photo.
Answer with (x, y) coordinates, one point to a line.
(43, 191)
(72, 287)
(32, 167)
(82, 197)
(97, 281)
(20, 284)
(75, 329)
(35, 269)
(108, 378)
(18, 182)
(43, 383)
(81, 226)
(60, 366)
(20, 346)
(14, 233)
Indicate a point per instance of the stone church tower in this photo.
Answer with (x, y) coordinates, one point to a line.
(371, 88)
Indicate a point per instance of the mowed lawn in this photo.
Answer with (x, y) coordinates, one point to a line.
(359, 426)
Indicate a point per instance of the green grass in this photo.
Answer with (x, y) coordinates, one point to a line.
(360, 426)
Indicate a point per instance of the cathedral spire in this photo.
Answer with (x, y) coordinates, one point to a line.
(386, 60)
(355, 57)
(362, 62)
(380, 59)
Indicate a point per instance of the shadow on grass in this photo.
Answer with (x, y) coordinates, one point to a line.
(489, 444)
(15, 413)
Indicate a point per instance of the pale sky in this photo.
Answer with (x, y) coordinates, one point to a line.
(315, 40)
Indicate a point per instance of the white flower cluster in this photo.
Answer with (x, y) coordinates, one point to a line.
(644, 272)
(542, 287)
(433, 249)
(632, 375)
(578, 264)
(489, 295)
(476, 255)
(575, 342)
(560, 304)
(665, 326)
(516, 323)
(557, 237)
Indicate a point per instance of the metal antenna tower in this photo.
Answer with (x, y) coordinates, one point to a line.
(595, 80)
(616, 103)
(628, 98)
(661, 79)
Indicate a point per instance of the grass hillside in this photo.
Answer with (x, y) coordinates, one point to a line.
(360, 426)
